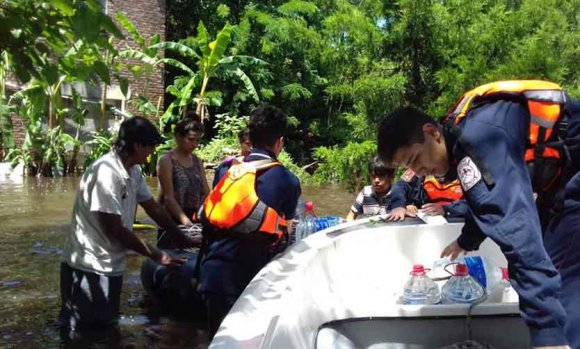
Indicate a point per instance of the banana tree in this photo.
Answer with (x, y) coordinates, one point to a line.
(212, 62)
(110, 58)
(148, 54)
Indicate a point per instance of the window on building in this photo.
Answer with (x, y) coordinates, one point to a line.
(103, 5)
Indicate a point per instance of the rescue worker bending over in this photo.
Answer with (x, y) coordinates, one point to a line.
(435, 196)
(491, 135)
(245, 215)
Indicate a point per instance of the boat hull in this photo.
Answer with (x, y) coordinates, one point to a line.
(353, 275)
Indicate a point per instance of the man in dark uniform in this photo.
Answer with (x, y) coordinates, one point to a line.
(488, 157)
(232, 262)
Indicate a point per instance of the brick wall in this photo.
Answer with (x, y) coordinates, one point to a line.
(148, 16)
(19, 128)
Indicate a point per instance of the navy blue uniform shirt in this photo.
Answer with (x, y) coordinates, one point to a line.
(231, 263)
(505, 211)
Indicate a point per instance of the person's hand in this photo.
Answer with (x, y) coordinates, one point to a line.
(433, 210)
(397, 214)
(189, 236)
(164, 258)
(412, 210)
(452, 250)
(192, 240)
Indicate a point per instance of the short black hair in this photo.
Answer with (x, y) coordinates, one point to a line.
(401, 128)
(136, 130)
(188, 124)
(243, 134)
(379, 168)
(267, 125)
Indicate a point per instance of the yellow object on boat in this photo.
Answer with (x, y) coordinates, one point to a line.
(139, 226)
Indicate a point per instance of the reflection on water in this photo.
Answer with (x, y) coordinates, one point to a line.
(34, 216)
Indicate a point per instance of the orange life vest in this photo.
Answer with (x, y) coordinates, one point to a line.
(546, 103)
(234, 208)
(442, 193)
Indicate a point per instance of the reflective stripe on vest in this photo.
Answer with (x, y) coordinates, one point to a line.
(442, 193)
(545, 102)
(234, 205)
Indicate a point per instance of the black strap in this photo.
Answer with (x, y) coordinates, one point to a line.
(539, 149)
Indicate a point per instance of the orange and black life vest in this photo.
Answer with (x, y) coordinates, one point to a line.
(233, 207)
(546, 102)
(442, 193)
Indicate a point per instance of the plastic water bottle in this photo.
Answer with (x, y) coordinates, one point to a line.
(509, 293)
(420, 289)
(306, 224)
(461, 287)
(309, 215)
(504, 292)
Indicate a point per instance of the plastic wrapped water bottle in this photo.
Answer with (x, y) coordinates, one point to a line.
(461, 287)
(420, 289)
(326, 222)
(483, 271)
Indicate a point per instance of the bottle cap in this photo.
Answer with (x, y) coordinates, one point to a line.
(505, 275)
(461, 270)
(309, 206)
(418, 269)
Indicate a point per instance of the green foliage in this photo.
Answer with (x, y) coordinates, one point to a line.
(36, 35)
(50, 44)
(217, 149)
(43, 152)
(229, 126)
(101, 143)
(226, 143)
(348, 165)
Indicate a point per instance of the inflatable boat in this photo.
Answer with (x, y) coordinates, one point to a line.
(341, 288)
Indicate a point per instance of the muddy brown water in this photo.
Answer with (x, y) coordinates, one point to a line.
(34, 217)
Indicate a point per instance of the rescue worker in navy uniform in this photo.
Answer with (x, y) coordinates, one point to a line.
(232, 261)
(487, 141)
(435, 196)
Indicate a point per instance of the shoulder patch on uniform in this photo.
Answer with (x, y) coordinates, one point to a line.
(468, 173)
(408, 175)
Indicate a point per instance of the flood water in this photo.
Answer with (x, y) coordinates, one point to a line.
(34, 217)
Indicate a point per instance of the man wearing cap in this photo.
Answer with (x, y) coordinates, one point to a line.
(94, 255)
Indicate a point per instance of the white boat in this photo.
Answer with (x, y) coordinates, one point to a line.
(340, 288)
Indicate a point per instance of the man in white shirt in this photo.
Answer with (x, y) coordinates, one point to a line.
(94, 255)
